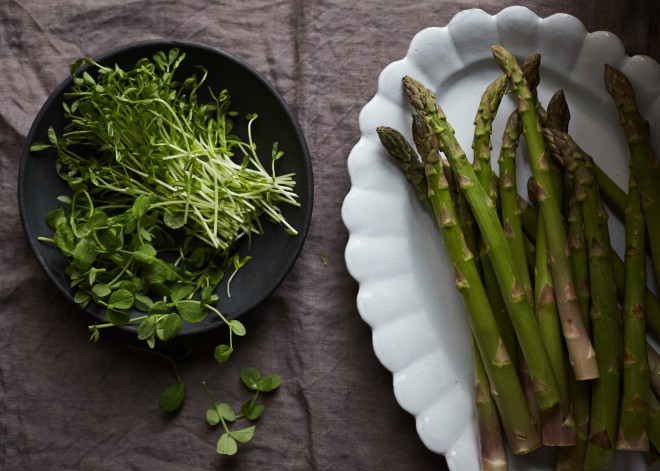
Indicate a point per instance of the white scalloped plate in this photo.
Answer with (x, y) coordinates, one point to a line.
(406, 290)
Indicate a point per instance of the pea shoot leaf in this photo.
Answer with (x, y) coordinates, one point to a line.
(226, 445)
(222, 353)
(237, 327)
(121, 299)
(269, 383)
(251, 378)
(252, 410)
(117, 317)
(172, 398)
(168, 326)
(191, 311)
(243, 435)
(147, 328)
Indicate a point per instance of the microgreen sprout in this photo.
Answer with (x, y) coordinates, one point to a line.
(162, 190)
(171, 399)
(223, 413)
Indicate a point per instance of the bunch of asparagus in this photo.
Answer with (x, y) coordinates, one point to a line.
(559, 321)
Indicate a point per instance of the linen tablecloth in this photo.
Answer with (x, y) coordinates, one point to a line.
(68, 404)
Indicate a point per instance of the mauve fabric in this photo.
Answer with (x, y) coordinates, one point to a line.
(68, 404)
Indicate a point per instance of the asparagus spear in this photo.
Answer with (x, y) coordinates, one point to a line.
(517, 422)
(605, 318)
(581, 352)
(492, 456)
(483, 128)
(646, 166)
(612, 194)
(571, 458)
(481, 146)
(529, 220)
(484, 211)
(558, 428)
(509, 201)
(557, 425)
(634, 403)
(654, 420)
(408, 160)
(654, 368)
(483, 122)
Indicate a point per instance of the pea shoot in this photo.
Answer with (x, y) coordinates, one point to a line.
(222, 413)
(162, 190)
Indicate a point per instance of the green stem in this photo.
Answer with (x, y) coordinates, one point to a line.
(642, 157)
(518, 424)
(579, 346)
(518, 300)
(491, 446)
(634, 401)
(605, 316)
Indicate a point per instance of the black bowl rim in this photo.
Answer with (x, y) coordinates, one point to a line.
(192, 329)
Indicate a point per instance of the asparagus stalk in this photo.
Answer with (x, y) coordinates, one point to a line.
(605, 318)
(483, 122)
(557, 428)
(483, 128)
(492, 456)
(571, 458)
(654, 420)
(529, 220)
(517, 422)
(654, 368)
(407, 159)
(642, 157)
(557, 425)
(517, 299)
(581, 352)
(558, 117)
(481, 146)
(509, 200)
(634, 403)
(612, 194)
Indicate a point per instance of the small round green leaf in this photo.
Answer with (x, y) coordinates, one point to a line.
(96, 220)
(226, 445)
(191, 311)
(251, 378)
(81, 297)
(173, 220)
(237, 327)
(269, 383)
(121, 299)
(101, 290)
(147, 328)
(64, 238)
(117, 317)
(226, 411)
(172, 398)
(212, 417)
(243, 435)
(140, 206)
(222, 353)
(145, 253)
(143, 303)
(252, 410)
(168, 327)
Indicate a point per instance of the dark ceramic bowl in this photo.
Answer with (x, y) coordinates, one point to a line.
(273, 253)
